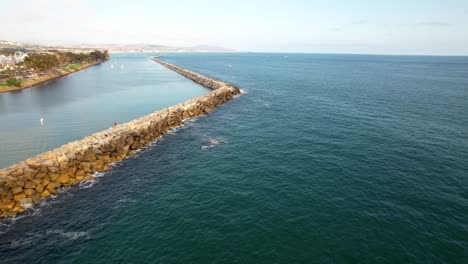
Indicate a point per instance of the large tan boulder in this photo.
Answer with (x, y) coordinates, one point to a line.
(45, 194)
(53, 176)
(52, 186)
(53, 169)
(48, 163)
(45, 181)
(19, 182)
(29, 192)
(17, 190)
(30, 173)
(70, 155)
(30, 185)
(33, 162)
(41, 175)
(63, 162)
(19, 196)
(39, 188)
(25, 201)
(17, 171)
(71, 181)
(17, 208)
(79, 177)
(71, 171)
(63, 178)
(80, 172)
(7, 205)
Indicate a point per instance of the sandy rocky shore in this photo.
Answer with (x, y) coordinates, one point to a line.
(28, 83)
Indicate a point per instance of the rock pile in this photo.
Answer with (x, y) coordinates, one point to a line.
(29, 181)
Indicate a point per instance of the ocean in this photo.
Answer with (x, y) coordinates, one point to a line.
(325, 158)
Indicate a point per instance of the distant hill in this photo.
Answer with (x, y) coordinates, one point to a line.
(137, 47)
(211, 48)
(143, 47)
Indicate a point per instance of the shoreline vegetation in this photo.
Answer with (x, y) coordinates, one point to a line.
(37, 68)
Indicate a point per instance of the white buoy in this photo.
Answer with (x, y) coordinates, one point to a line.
(121, 66)
(112, 66)
(42, 121)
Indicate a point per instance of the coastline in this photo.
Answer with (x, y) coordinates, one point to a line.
(39, 80)
(37, 178)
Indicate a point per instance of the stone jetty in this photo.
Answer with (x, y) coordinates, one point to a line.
(39, 177)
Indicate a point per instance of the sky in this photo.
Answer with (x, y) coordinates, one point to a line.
(419, 27)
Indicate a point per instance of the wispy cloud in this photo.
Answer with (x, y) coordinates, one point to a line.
(46, 11)
(360, 22)
(434, 24)
(335, 29)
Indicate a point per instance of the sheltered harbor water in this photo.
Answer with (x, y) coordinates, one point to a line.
(74, 106)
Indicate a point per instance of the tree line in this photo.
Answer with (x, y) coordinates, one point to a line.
(47, 62)
(54, 59)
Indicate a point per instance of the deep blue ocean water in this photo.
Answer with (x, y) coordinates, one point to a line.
(324, 159)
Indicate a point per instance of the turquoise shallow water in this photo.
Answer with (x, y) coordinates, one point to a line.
(324, 159)
(122, 89)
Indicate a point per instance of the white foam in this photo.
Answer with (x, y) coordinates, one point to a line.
(122, 202)
(87, 184)
(25, 241)
(98, 174)
(27, 206)
(71, 235)
(63, 189)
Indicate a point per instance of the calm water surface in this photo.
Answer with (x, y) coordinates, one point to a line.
(122, 89)
(325, 159)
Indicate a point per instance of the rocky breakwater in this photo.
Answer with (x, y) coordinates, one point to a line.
(27, 182)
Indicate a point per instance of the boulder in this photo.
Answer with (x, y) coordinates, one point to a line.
(63, 178)
(25, 202)
(45, 194)
(53, 169)
(19, 196)
(39, 188)
(17, 190)
(7, 205)
(53, 177)
(33, 162)
(52, 186)
(29, 192)
(30, 185)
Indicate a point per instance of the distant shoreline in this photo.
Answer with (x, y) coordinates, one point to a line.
(39, 80)
(168, 51)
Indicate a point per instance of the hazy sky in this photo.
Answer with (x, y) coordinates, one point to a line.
(364, 26)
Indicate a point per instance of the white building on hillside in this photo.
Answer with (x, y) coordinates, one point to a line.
(7, 61)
